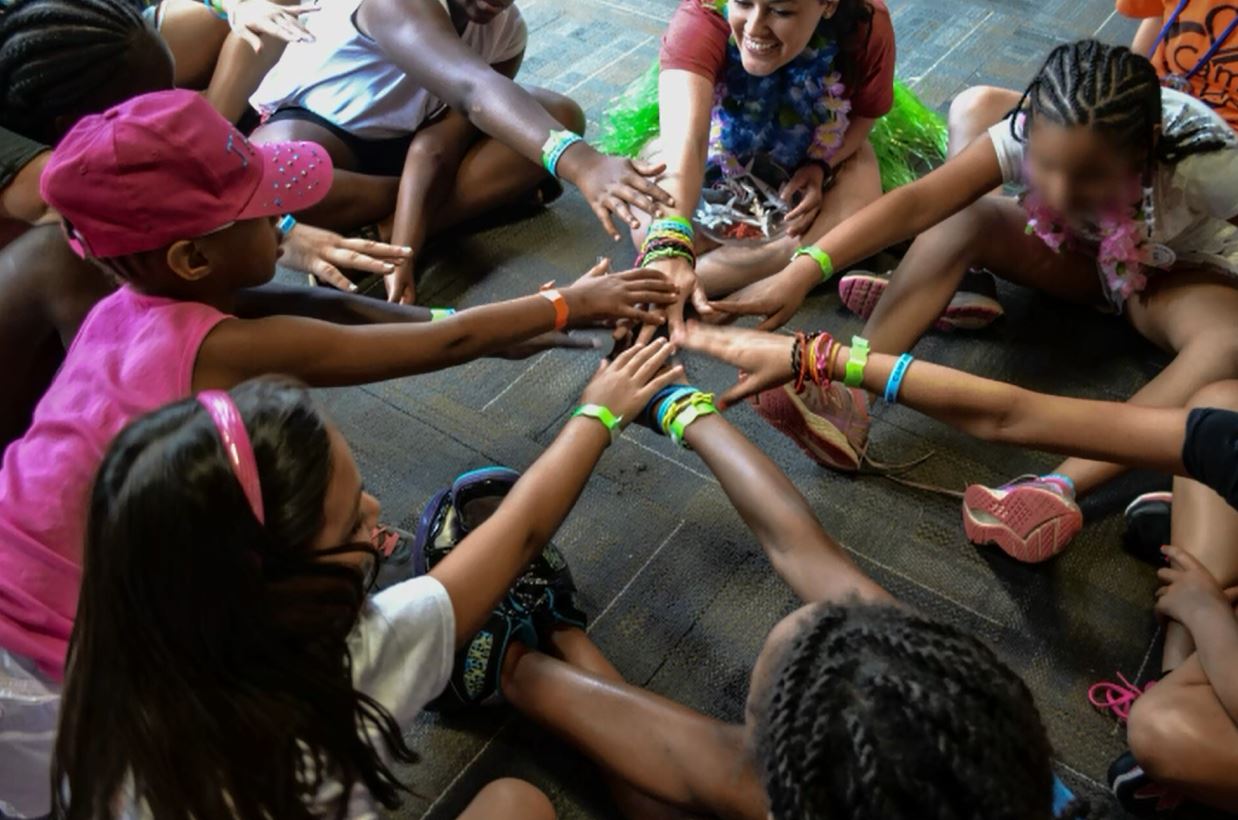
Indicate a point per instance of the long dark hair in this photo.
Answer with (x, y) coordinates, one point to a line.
(877, 713)
(852, 28)
(208, 669)
(1109, 89)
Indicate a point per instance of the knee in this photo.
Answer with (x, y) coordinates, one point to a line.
(515, 798)
(973, 111)
(564, 109)
(1218, 394)
(1216, 352)
(1158, 733)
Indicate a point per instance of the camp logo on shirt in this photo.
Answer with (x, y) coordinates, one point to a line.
(1192, 36)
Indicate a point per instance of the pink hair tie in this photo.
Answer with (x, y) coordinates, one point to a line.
(236, 443)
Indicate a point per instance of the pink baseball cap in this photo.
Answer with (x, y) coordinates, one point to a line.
(166, 166)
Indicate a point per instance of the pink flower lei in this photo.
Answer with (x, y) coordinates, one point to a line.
(1124, 231)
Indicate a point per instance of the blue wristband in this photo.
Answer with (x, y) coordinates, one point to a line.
(556, 144)
(679, 392)
(896, 377)
(286, 223)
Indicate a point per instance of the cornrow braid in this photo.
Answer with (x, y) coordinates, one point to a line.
(55, 54)
(876, 713)
(1109, 89)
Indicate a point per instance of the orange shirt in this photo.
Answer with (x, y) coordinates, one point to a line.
(1200, 23)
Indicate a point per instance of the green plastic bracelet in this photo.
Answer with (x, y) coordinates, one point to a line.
(603, 414)
(857, 362)
(689, 414)
(820, 257)
(441, 313)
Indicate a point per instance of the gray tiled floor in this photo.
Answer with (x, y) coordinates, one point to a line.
(681, 598)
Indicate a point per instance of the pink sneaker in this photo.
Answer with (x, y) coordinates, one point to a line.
(973, 307)
(830, 424)
(1031, 519)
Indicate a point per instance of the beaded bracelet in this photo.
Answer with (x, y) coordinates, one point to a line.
(896, 378)
(556, 144)
(797, 352)
(603, 414)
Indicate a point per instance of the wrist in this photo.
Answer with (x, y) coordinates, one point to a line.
(1206, 608)
(804, 274)
(574, 160)
(601, 417)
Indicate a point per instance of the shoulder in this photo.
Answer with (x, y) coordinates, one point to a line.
(696, 39)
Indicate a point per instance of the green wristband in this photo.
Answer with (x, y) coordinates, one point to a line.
(820, 257)
(441, 313)
(854, 376)
(703, 406)
(596, 411)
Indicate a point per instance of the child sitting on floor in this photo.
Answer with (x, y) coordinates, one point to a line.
(415, 102)
(167, 332)
(1128, 195)
(1183, 733)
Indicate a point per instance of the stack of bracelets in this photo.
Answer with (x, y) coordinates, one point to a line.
(556, 144)
(217, 8)
(669, 237)
(814, 357)
(676, 407)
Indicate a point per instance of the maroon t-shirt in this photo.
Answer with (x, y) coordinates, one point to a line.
(696, 41)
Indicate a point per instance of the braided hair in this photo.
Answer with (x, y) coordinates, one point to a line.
(57, 55)
(1109, 89)
(876, 713)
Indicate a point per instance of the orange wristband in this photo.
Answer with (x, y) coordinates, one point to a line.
(560, 304)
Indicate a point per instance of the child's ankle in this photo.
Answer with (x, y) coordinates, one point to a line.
(1063, 482)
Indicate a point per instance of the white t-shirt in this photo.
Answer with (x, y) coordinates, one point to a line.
(1193, 200)
(345, 78)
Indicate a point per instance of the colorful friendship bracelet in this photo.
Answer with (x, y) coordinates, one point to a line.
(896, 377)
(441, 313)
(603, 414)
(679, 224)
(854, 375)
(557, 143)
(820, 257)
(286, 223)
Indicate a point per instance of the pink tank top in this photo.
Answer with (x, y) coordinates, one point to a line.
(133, 354)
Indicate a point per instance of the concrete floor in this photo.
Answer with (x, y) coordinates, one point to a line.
(679, 594)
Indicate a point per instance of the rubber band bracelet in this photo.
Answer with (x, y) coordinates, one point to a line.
(702, 405)
(441, 313)
(603, 414)
(672, 404)
(674, 224)
(820, 257)
(896, 377)
(286, 223)
(859, 360)
(556, 144)
(560, 304)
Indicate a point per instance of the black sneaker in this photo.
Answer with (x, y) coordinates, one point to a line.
(476, 677)
(1138, 793)
(1148, 527)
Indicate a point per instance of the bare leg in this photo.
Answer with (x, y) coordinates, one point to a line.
(666, 750)
(194, 36)
(975, 110)
(989, 233)
(1205, 526)
(509, 799)
(1183, 737)
(1193, 315)
(729, 268)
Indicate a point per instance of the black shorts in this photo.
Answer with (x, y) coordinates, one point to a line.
(1210, 451)
(381, 158)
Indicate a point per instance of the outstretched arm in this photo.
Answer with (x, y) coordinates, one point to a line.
(995, 411)
(479, 571)
(420, 38)
(327, 355)
(811, 562)
(899, 215)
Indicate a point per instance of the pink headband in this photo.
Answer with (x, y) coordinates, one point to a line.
(236, 444)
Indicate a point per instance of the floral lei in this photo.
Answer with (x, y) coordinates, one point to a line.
(1122, 232)
(799, 112)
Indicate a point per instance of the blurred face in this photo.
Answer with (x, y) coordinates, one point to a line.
(772, 33)
(483, 11)
(1075, 170)
(349, 513)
